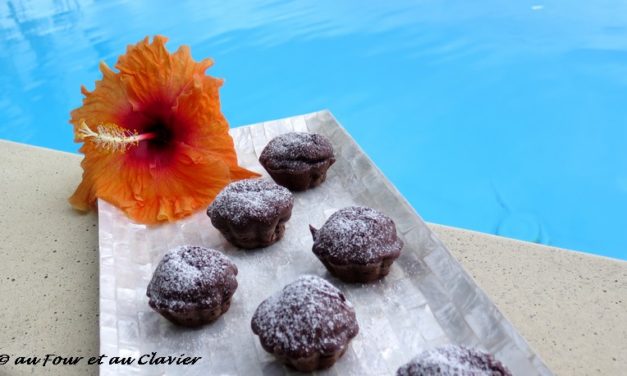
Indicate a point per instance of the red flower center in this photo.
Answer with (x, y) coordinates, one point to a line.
(163, 129)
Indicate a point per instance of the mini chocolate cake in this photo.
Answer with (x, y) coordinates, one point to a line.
(192, 285)
(298, 160)
(453, 361)
(357, 244)
(251, 213)
(307, 325)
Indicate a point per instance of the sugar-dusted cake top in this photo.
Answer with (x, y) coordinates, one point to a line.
(357, 235)
(251, 199)
(192, 276)
(453, 360)
(309, 315)
(296, 151)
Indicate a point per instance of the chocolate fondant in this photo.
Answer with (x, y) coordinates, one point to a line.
(307, 325)
(192, 285)
(357, 244)
(298, 160)
(251, 213)
(453, 360)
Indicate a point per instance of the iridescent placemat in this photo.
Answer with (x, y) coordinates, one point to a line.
(427, 300)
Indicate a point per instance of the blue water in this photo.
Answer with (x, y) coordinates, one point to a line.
(506, 117)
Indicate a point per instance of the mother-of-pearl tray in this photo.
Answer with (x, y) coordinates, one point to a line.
(427, 299)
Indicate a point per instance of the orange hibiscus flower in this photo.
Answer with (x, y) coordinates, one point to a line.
(156, 144)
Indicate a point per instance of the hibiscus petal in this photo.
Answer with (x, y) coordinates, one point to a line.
(151, 73)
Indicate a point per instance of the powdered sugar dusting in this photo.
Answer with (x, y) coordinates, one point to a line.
(357, 235)
(309, 315)
(259, 200)
(192, 276)
(453, 360)
(296, 151)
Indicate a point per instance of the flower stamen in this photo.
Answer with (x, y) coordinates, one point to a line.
(111, 137)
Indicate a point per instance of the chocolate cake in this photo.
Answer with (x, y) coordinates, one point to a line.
(192, 285)
(453, 360)
(357, 244)
(298, 160)
(307, 325)
(251, 213)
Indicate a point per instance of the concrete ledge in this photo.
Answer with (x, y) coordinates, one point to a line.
(571, 307)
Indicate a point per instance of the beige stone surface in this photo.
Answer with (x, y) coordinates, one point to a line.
(48, 262)
(571, 307)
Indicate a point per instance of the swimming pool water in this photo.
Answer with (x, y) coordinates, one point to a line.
(502, 117)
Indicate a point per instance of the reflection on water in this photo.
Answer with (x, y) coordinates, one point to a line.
(502, 117)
